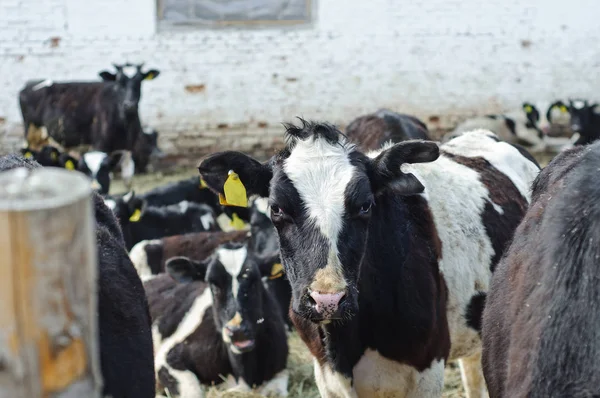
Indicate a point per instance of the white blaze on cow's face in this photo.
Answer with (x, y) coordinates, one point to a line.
(235, 283)
(321, 172)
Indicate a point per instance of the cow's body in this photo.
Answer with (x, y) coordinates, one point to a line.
(140, 222)
(387, 263)
(102, 115)
(234, 330)
(125, 338)
(541, 324)
(370, 132)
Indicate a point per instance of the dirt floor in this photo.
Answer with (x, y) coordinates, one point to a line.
(301, 382)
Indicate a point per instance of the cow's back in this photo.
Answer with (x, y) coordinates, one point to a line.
(478, 191)
(541, 323)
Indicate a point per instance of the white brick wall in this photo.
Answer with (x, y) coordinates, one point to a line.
(447, 58)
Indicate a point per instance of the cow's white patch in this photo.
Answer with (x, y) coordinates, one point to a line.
(332, 384)
(188, 383)
(320, 173)
(128, 196)
(375, 376)
(45, 83)
(578, 104)
(139, 258)
(277, 386)
(184, 206)
(503, 156)
(94, 160)
(111, 204)
(472, 376)
(207, 221)
(129, 71)
(262, 205)
(232, 261)
(127, 167)
(148, 130)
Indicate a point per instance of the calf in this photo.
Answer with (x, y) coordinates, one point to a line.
(99, 166)
(149, 256)
(370, 132)
(125, 339)
(516, 127)
(101, 114)
(227, 326)
(50, 156)
(540, 325)
(387, 254)
(140, 222)
(585, 122)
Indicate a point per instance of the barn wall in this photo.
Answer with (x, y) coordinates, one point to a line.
(443, 59)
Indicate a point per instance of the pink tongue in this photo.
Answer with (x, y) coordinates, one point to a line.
(243, 344)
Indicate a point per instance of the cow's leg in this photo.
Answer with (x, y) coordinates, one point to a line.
(187, 384)
(332, 384)
(471, 373)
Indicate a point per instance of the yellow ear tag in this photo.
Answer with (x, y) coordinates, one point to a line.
(69, 165)
(528, 108)
(276, 271)
(202, 184)
(236, 222)
(28, 155)
(149, 76)
(235, 192)
(563, 109)
(135, 217)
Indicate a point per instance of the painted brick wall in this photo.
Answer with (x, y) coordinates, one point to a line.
(221, 88)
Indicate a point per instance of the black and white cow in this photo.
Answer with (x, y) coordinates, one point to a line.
(541, 334)
(585, 122)
(140, 222)
(387, 253)
(227, 326)
(102, 114)
(99, 167)
(126, 354)
(370, 132)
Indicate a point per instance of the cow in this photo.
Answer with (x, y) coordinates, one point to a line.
(370, 132)
(150, 256)
(388, 253)
(49, 156)
(141, 222)
(228, 326)
(585, 122)
(540, 324)
(125, 338)
(102, 114)
(99, 167)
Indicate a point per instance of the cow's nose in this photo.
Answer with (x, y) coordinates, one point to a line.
(326, 304)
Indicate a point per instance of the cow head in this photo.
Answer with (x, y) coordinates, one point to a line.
(51, 156)
(234, 275)
(146, 148)
(582, 115)
(98, 166)
(128, 81)
(127, 208)
(322, 194)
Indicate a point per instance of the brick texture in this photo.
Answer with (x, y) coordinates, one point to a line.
(442, 60)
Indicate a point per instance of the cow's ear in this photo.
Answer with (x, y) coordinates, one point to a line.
(68, 162)
(151, 74)
(254, 176)
(135, 206)
(107, 76)
(114, 159)
(384, 170)
(28, 153)
(183, 269)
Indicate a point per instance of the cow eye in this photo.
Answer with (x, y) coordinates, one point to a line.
(276, 211)
(366, 207)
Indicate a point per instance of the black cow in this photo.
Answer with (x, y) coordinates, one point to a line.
(227, 326)
(370, 132)
(387, 254)
(585, 122)
(126, 351)
(140, 222)
(541, 324)
(50, 156)
(101, 114)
